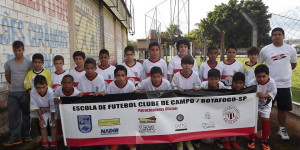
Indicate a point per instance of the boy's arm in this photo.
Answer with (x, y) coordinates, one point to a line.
(42, 121)
(8, 76)
(27, 84)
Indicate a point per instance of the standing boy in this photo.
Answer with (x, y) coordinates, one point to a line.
(78, 72)
(250, 65)
(59, 73)
(104, 69)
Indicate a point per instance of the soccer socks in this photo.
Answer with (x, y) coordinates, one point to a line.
(265, 129)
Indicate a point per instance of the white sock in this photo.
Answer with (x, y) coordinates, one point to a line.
(281, 128)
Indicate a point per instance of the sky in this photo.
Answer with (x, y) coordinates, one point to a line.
(198, 11)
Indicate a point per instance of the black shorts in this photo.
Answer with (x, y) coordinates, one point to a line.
(284, 99)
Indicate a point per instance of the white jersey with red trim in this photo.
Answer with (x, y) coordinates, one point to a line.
(228, 71)
(204, 85)
(88, 86)
(112, 88)
(186, 83)
(59, 93)
(205, 67)
(45, 102)
(148, 86)
(175, 65)
(134, 72)
(148, 64)
(56, 78)
(107, 73)
(77, 75)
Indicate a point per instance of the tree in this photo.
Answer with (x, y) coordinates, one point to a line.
(133, 44)
(170, 37)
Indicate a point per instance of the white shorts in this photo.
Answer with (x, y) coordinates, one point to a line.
(46, 116)
(264, 112)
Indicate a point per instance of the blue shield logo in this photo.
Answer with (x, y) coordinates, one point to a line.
(84, 123)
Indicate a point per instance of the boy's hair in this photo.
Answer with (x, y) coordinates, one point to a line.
(188, 59)
(211, 48)
(90, 61)
(184, 42)
(58, 57)
(252, 51)
(104, 51)
(38, 56)
(238, 76)
(39, 79)
(18, 44)
(129, 48)
(214, 73)
(277, 29)
(68, 76)
(154, 70)
(120, 68)
(261, 69)
(231, 46)
(79, 53)
(153, 44)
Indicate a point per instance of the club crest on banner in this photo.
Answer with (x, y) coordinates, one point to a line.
(231, 114)
(84, 123)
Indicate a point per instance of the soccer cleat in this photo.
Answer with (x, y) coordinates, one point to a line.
(265, 146)
(190, 145)
(234, 144)
(226, 145)
(284, 135)
(27, 139)
(251, 144)
(114, 147)
(180, 146)
(12, 142)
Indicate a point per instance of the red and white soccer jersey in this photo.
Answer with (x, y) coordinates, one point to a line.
(179, 81)
(44, 103)
(59, 93)
(148, 64)
(134, 72)
(205, 67)
(265, 105)
(175, 65)
(77, 75)
(112, 88)
(107, 73)
(279, 60)
(56, 78)
(228, 71)
(148, 86)
(204, 85)
(89, 86)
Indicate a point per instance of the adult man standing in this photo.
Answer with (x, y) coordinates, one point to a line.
(281, 59)
(18, 99)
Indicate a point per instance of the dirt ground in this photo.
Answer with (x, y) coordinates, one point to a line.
(293, 128)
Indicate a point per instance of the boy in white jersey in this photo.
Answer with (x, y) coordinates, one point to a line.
(59, 73)
(212, 53)
(120, 85)
(78, 72)
(91, 83)
(42, 100)
(154, 60)
(156, 82)
(134, 68)
(213, 81)
(250, 65)
(183, 47)
(104, 69)
(266, 93)
(230, 66)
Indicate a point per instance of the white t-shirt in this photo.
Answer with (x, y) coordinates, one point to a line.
(204, 85)
(59, 93)
(148, 86)
(228, 71)
(77, 75)
(205, 67)
(112, 88)
(186, 83)
(56, 78)
(279, 60)
(44, 103)
(134, 72)
(107, 73)
(87, 86)
(175, 65)
(147, 65)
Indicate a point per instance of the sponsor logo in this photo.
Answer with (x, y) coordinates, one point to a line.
(109, 122)
(207, 115)
(109, 131)
(151, 119)
(208, 125)
(180, 127)
(231, 114)
(147, 129)
(179, 117)
(228, 80)
(84, 123)
(278, 57)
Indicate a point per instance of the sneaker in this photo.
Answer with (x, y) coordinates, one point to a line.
(38, 139)
(226, 145)
(190, 145)
(44, 148)
(180, 146)
(251, 144)
(234, 144)
(284, 135)
(265, 146)
(27, 139)
(53, 147)
(12, 142)
(114, 147)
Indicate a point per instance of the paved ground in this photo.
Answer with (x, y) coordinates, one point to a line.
(293, 128)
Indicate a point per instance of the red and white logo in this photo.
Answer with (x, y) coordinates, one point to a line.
(231, 114)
